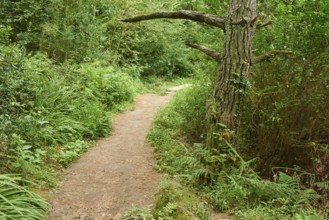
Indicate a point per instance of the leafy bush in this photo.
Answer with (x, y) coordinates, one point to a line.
(17, 202)
(92, 31)
(174, 201)
(183, 117)
(109, 85)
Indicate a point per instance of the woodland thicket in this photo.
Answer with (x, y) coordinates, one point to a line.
(67, 65)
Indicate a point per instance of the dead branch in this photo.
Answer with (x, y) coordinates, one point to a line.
(269, 55)
(213, 20)
(211, 53)
(264, 24)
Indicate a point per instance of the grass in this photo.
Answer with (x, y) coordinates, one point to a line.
(160, 85)
(173, 201)
(17, 202)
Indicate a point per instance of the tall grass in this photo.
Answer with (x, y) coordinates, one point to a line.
(17, 202)
(46, 106)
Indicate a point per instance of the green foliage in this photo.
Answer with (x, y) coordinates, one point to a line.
(285, 121)
(64, 29)
(248, 191)
(72, 151)
(88, 30)
(76, 29)
(109, 85)
(45, 105)
(4, 34)
(17, 202)
(24, 18)
(173, 202)
(146, 45)
(138, 213)
(222, 176)
(187, 111)
(177, 122)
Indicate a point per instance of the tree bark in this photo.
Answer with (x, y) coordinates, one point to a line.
(224, 115)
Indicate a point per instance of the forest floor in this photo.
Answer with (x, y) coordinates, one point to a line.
(117, 172)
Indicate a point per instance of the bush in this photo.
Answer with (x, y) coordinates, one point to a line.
(109, 85)
(64, 30)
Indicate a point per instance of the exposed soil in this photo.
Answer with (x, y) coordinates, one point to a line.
(116, 173)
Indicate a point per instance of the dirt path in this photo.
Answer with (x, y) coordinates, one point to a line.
(114, 174)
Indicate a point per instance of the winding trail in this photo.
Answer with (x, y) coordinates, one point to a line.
(114, 174)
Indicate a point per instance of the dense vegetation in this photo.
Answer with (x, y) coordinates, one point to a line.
(66, 66)
(284, 133)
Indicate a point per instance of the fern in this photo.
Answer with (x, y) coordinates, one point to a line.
(323, 185)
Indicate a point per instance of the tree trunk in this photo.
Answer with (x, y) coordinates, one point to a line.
(235, 61)
(224, 112)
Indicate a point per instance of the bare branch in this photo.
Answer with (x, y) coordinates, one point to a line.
(269, 55)
(264, 24)
(213, 20)
(213, 54)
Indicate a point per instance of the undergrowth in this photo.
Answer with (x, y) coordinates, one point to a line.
(173, 201)
(221, 176)
(49, 112)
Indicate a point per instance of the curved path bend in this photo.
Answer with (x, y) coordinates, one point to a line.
(116, 173)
